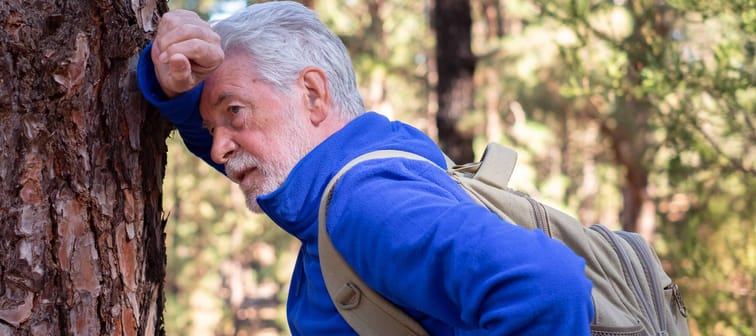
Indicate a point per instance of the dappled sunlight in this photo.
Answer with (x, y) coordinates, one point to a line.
(602, 101)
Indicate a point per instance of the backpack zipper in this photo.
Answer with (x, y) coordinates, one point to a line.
(646, 258)
(677, 297)
(630, 276)
(539, 213)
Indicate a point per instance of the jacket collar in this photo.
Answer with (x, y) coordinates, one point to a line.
(294, 205)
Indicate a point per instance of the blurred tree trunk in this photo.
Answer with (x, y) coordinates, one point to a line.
(374, 39)
(629, 145)
(630, 133)
(81, 233)
(624, 113)
(493, 14)
(455, 63)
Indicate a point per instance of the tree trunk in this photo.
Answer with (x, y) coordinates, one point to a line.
(629, 145)
(452, 22)
(630, 140)
(81, 233)
(375, 38)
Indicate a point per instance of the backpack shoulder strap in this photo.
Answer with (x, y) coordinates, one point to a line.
(496, 165)
(366, 311)
(494, 168)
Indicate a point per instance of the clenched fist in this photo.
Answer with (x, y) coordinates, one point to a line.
(185, 51)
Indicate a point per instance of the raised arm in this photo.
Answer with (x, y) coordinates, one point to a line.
(170, 74)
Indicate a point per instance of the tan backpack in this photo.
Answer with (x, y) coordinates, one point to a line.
(632, 294)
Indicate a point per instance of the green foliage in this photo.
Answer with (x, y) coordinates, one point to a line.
(693, 63)
(201, 7)
(673, 78)
(390, 43)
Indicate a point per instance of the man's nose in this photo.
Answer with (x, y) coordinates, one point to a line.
(224, 145)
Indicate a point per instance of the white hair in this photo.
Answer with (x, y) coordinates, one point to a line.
(285, 37)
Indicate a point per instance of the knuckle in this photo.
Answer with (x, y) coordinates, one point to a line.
(219, 55)
(168, 19)
(214, 37)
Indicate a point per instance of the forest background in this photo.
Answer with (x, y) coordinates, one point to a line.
(604, 100)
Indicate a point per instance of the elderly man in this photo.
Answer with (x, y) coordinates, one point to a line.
(268, 96)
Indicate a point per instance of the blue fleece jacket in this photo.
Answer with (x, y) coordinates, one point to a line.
(411, 233)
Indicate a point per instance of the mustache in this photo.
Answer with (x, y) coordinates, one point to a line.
(239, 162)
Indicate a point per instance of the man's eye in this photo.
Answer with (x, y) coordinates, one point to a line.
(234, 109)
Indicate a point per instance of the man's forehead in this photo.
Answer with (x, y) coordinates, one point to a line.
(216, 90)
(220, 98)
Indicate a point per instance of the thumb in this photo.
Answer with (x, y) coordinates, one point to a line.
(179, 67)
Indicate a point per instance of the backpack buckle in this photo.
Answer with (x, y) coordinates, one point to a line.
(348, 296)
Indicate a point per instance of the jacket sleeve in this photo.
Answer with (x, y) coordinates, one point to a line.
(416, 237)
(182, 111)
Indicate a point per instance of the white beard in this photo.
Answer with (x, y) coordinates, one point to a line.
(293, 145)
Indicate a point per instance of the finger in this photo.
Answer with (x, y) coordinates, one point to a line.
(177, 18)
(158, 56)
(201, 53)
(185, 32)
(180, 67)
(155, 54)
(174, 75)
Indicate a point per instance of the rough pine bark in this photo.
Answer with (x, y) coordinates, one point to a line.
(82, 160)
(455, 62)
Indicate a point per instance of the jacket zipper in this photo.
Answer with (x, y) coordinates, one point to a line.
(629, 272)
(653, 280)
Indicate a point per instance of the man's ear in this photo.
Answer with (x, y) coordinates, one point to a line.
(317, 96)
